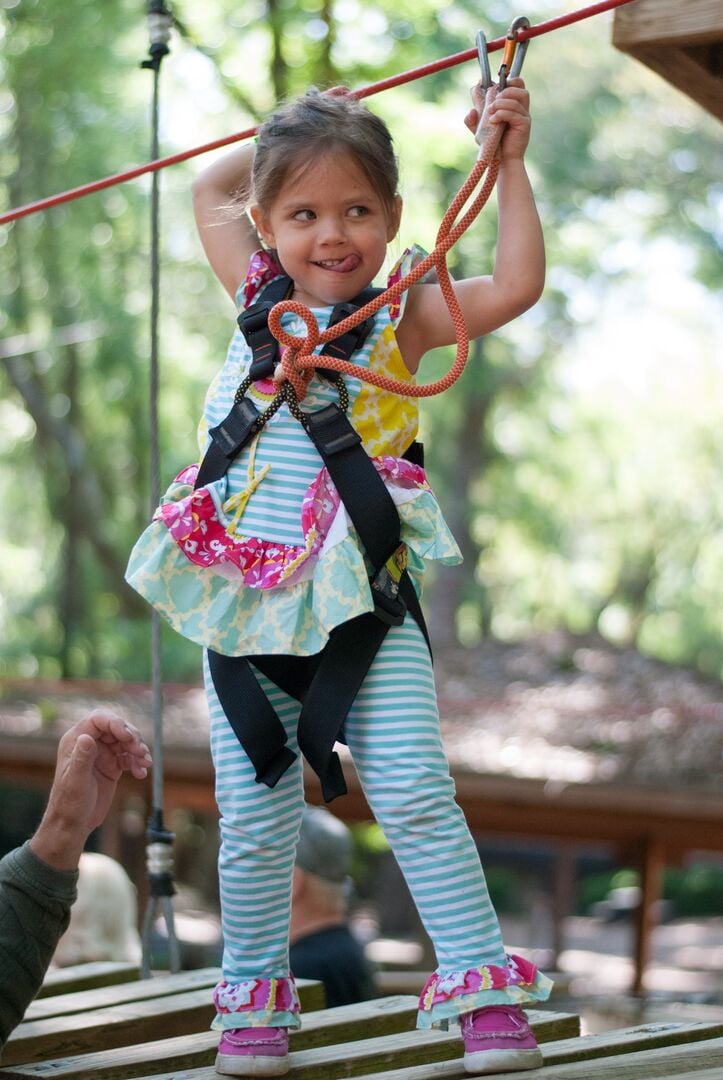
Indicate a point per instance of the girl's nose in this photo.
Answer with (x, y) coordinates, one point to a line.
(331, 230)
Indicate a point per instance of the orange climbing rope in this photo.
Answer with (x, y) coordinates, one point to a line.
(298, 359)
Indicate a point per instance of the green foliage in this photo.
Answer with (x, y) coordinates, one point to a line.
(577, 459)
(692, 892)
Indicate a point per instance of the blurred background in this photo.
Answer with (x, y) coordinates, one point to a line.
(579, 648)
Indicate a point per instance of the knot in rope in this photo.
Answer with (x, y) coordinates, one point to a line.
(298, 360)
(297, 353)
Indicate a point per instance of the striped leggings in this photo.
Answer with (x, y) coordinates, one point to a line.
(393, 734)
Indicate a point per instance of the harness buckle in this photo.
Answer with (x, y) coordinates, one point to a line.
(234, 430)
(343, 347)
(388, 604)
(255, 317)
(254, 325)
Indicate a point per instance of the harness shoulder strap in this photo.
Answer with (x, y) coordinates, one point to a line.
(254, 325)
(236, 429)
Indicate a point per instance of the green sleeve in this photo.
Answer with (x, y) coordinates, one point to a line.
(35, 902)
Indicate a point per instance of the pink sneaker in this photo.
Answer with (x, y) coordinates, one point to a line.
(260, 1051)
(497, 1039)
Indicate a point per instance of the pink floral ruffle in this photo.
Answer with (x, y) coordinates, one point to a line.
(457, 992)
(256, 1002)
(207, 541)
(263, 267)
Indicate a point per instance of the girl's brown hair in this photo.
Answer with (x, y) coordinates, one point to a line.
(312, 125)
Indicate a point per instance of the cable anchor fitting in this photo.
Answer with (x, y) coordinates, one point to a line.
(160, 23)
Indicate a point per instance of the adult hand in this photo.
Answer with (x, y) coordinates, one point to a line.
(92, 756)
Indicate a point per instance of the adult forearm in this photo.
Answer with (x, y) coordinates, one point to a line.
(35, 902)
(59, 843)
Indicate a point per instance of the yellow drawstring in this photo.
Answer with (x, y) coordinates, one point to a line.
(238, 501)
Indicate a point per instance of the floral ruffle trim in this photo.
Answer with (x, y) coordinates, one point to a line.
(447, 997)
(195, 523)
(263, 267)
(406, 262)
(257, 1003)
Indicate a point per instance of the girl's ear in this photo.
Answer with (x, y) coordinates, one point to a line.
(263, 226)
(395, 218)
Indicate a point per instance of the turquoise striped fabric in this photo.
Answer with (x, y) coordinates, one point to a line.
(394, 737)
(273, 511)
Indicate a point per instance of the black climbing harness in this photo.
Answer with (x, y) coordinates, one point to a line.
(326, 683)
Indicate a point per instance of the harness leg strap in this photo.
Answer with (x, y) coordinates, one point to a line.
(345, 660)
(252, 717)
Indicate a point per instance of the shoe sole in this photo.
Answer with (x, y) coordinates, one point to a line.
(496, 1061)
(251, 1065)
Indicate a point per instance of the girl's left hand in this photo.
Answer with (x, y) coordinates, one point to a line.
(510, 106)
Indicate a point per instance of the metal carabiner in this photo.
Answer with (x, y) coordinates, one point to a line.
(484, 61)
(515, 52)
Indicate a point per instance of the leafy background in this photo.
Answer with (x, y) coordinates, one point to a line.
(578, 459)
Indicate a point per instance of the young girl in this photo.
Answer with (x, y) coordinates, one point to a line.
(260, 560)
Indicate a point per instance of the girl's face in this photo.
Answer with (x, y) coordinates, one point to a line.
(329, 228)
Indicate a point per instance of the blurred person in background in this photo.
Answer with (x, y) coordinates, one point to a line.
(322, 945)
(104, 918)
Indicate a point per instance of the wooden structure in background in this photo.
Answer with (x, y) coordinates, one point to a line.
(682, 40)
(648, 826)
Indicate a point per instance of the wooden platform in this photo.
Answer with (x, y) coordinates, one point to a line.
(682, 41)
(104, 1023)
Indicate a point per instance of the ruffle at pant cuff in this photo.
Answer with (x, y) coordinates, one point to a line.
(270, 1002)
(447, 996)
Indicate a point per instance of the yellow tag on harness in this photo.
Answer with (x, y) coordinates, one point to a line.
(396, 564)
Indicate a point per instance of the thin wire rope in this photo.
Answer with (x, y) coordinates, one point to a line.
(154, 439)
(158, 849)
(366, 91)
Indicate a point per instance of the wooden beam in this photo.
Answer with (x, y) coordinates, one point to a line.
(692, 70)
(667, 22)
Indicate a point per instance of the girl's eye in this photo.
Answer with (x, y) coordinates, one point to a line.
(358, 211)
(304, 215)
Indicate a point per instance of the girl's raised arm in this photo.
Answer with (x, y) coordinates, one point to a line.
(228, 240)
(518, 276)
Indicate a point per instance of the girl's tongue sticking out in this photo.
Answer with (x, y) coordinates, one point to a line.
(340, 266)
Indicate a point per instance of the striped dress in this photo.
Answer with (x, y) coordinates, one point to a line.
(266, 561)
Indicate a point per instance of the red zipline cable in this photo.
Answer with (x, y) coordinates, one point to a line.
(365, 91)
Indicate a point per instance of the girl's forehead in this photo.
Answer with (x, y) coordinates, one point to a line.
(334, 167)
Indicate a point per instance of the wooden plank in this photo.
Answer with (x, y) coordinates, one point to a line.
(641, 1065)
(311, 993)
(716, 1073)
(328, 1035)
(618, 1043)
(682, 69)
(668, 22)
(134, 1021)
(644, 1037)
(86, 976)
(110, 996)
(347, 1023)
